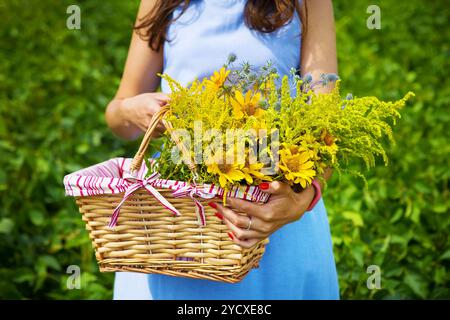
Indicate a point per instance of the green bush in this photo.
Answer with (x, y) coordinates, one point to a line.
(401, 222)
(55, 84)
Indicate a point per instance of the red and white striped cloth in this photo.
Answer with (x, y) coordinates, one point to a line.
(113, 177)
(108, 178)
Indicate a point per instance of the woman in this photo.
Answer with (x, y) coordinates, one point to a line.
(191, 39)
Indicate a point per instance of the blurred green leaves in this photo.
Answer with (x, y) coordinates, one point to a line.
(54, 86)
(405, 210)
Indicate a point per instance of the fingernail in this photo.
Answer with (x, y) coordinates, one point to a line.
(212, 205)
(264, 185)
(231, 235)
(218, 215)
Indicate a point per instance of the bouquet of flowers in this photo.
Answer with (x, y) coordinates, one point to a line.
(245, 126)
(239, 127)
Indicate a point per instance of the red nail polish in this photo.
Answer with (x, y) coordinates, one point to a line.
(212, 205)
(230, 235)
(264, 185)
(218, 215)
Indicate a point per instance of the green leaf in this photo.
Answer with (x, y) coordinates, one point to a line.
(397, 216)
(440, 208)
(37, 217)
(6, 225)
(358, 255)
(51, 262)
(417, 284)
(353, 216)
(445, 255)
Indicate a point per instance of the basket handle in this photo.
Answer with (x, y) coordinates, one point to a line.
(140, 154)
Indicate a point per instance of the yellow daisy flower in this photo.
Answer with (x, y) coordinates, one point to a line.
(228, 173)
(297, 167)
(312, 150)
(246, 105)
(254, 171)
(217, 79)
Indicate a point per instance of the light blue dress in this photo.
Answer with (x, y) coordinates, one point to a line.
(298, 262)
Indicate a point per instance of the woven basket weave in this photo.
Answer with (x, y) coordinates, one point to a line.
(148, 239)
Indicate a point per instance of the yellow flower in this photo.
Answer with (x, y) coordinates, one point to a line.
(296, 166)
(331, 150)
(254, 171)
(196, 86)
(258, 124)
(246, 105)
(265, 87)
(217, 79)
(303, 147)
(330, 145)
(312, 150)
(327, 138)
(226, 172)
(309, 138)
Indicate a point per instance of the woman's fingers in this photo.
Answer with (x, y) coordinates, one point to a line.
(142, 126)
(160, 128)
(238, 224)
(243, 234)
(162, 97)
(256, 210)
(275, 187)
(246, 243)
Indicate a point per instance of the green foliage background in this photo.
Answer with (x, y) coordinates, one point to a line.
(55, 84)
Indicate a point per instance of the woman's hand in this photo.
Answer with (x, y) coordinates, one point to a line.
(138, 110)
(284, 206)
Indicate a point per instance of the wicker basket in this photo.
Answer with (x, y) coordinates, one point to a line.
(147, 238)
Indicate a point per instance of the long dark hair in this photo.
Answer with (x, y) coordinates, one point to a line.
(262, 15)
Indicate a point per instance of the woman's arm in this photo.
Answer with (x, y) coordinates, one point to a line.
(285, 206)
(129, 113)
(318, 54)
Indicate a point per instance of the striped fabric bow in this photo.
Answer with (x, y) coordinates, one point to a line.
(137, 184)
(192, 191)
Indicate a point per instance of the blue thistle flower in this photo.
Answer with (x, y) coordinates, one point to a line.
(307, 78)
(232, 58)
(348, 97)
(331, 77)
